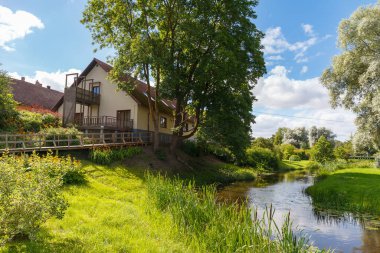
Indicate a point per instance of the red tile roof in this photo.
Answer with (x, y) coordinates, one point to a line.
(30, 94)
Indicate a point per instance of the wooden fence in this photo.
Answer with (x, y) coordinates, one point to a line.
(43, 142)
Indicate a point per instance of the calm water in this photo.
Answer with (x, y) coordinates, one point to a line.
(342, 232)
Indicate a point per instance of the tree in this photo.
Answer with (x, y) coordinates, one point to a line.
(279, 135)
(344, 150)
(315, 133)
(200, 54)
(8, 111)
(323, 150)
(354, 77)
(362, 143)
(298, 137)
(287, 150)
(263, 143)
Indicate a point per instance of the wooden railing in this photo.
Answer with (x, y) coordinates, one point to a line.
(107, 121)
(44, 142)
(87, 96)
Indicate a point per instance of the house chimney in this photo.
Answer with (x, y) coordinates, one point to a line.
(48, 87)
(23, 78)
(38, 83)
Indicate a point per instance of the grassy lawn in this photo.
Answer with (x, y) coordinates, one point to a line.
(356, 190)
(111, 213)
(293, 165)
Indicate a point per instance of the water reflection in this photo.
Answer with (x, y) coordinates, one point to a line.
(341, 231)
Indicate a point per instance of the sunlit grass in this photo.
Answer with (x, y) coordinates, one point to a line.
(356, 190)
(108, 214)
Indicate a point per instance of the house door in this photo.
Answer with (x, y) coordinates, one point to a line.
(123, 118)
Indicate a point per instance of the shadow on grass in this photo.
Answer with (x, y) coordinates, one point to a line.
(44, 244)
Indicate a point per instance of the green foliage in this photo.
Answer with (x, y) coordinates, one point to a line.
(344, 151)
(30, 192)
(294, 158)
(107, 155)
(35, 122)
(8, 113)
(190, 56)
(287, 150)
(61, 135)
(262, 142)
(322, 151)
(191, 148)
(353, 77)
(262, 158)
(302, 153)
(216, 227)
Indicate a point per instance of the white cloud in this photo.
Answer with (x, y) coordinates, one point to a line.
(306, 101)
(304, 69)
(275, 57)
(275, 42)
(54, 79)
(16, 25)
(308, 29)
(278, 91)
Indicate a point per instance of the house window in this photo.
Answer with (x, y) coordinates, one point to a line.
(163, 122)
(96, 89)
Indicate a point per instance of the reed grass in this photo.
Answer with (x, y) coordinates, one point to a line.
(210, 226)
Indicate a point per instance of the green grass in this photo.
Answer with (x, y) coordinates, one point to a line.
(356, 190)
(286, 165)
(111, 213)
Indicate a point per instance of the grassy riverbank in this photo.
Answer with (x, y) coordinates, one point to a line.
(355, 189)
(119, 210)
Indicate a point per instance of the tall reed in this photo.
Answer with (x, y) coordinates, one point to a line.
(210, 226)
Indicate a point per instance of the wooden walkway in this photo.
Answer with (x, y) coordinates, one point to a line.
(14, 143)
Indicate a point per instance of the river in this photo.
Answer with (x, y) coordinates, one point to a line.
(343, 232)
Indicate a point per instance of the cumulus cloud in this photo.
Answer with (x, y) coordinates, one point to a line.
(54, 79)
(278, 91)
(304, 69)
(275, 43)
(16, 25)
(305, 103)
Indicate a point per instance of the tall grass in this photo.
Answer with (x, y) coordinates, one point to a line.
(214, 227)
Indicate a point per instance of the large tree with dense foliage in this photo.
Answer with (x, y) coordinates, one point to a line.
(7, 103)
(298, 137)
(204, 54)
(315, 133)
(353, 80)
(323, 150)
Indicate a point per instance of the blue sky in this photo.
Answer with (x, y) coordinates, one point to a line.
(45, 39)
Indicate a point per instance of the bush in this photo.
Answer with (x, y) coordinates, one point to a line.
(191, 148)
(322, 151)
(302, 153)
(294, 158)
(34, 122)
(107, 155)
(61, 134)
(30, 193)
(287, 150)
(262, 158)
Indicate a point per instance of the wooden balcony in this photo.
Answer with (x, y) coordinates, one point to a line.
(107, 122)
(87, 97)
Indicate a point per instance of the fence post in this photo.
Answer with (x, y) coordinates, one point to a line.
(6, 141)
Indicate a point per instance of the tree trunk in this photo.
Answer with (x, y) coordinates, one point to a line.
(156, 143)
(175, 143)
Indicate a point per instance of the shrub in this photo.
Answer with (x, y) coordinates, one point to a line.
(34, 122)
(294, 158)
(322, 151)
(262, 158)
(287, 150)
(30, 193)
(302, 153)
(61, 134)
(191, 148)
(107, 155)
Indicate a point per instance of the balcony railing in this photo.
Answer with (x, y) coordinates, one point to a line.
(106, 121)
(87, 97)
